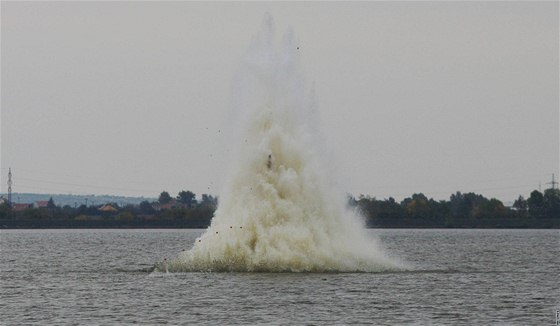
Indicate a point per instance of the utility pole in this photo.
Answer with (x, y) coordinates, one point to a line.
(553, 183)
(10, 187)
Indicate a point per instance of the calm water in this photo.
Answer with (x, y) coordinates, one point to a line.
(460, 277)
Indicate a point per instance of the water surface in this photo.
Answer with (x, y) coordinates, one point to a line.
(458, 277)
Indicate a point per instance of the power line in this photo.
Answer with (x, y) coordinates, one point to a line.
(553, 183)
(10, 187)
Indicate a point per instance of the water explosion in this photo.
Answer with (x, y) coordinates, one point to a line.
(277, 212)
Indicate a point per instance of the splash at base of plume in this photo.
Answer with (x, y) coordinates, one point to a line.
(278, 214)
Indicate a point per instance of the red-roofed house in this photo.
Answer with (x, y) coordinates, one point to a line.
(108, 209)
(42, 204)
(172, 204)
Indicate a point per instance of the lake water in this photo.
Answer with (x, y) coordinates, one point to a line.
(95, 277)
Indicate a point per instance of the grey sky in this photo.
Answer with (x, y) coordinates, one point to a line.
(131, 97)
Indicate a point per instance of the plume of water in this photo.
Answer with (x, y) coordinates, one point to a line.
(278, 211)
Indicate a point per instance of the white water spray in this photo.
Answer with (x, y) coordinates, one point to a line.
(278, 213)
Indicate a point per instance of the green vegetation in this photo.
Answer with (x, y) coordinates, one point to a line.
(181, 212)
(164, 197)
(468, 210)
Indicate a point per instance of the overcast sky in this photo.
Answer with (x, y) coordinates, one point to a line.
(130, 98)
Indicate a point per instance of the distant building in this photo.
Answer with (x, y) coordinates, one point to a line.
(156, 206)
(21, 207)
(41, 204)
(173, 203)
(107, 209)
(3, 201)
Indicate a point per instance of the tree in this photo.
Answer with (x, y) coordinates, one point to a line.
(458, 204)
(164, 197)
(125, 217)
(417, 206)
(187, 198)
(536, 204)
(5, 210)
(146, 207)
(440, 209)
(51, 203)
(491, 209)
(520, 204)
(208, 201)
(466, 205)
(389, 208)
(552, 203)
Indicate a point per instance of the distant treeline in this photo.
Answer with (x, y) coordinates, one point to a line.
(184, 211)
(468, 210)
(76, 200)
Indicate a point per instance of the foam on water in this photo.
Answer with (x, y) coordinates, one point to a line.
(279, 212)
